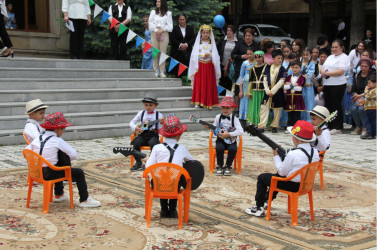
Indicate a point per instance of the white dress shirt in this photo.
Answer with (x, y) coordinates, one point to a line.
(51, 148)
(323, 141)
(120, 8)
(295, 160)
(354, 59)
(77, 9)
(33, 129)
(163, 22)
(161, 154)
(332, 63)
(147, 117)
(228, 124)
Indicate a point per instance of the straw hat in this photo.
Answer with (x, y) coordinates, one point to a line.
(320, 111)
(34, 105)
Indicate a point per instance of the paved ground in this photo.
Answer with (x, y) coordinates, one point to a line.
(345, 148)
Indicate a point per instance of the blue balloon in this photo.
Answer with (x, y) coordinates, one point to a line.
(219, 21)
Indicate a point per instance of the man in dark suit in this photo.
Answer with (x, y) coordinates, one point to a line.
(182, 38)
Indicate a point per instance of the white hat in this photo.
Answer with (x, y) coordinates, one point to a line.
(34, 105)
(320, 111)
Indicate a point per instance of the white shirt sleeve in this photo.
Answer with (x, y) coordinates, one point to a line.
(151, 21)
(238, 127)
(31, 131)
(186, 155)
(110, 11)
(152, 158)
(87, 7)
(297, 88)
(129, 13)
(65, 5)
(283, 167)
(169, 26)
(66, 148)
(135, 120)
(324, 140)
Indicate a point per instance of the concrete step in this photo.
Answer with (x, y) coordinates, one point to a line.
(90, 94)
(27, 62)
(9, 137)
(106, 117)
(64, 73)
(78, 83)
(81, 106)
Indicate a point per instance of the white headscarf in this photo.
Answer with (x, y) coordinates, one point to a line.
(194, 60)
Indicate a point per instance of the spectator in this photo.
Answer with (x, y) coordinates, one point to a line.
(182, 39)
(284, 42)
(323, 43)
(342, 32)
(370, 40)
(298, 46)
(6, 47)
(147, 62)
(354, 55)
(11, 24)
(268, 47)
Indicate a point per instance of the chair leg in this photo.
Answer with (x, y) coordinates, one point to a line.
(30, 183)
(51, 193)
(149, 214)
(269, 205)
(321, 175)
(239, 161)
(311, 205)
(179, 211)
(235, 163)
(70, 192)
(187, 207)
(132, 160)
(146, 205)
(47, 189)
(294, 209)
(211, 161)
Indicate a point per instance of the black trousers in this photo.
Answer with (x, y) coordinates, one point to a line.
(221, 146)
(77, 174)
(149, 138)
(118, 45)
(76, 42)
(263, 184)
(4, 34)
(333, 101)
(293, 117)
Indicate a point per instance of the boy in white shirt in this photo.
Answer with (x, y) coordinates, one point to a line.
(317, 116)
(36, 110)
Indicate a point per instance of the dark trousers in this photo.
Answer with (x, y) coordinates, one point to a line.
(76, 42)
(333, 101)
(77, 174)
(371, 121)
(221, 146)
(118, 45)
(293, 117)
(263, 184)
(149, 138)
(4, 34)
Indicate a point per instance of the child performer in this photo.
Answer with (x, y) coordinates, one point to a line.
(307, 70)
(256, 88)
(146, 137)
(294, 103)
(204, 70)
(36, 111)
(170, 151)
(286, 51)
(58, 152)
(243, 81)
(147, 62)
(317, 116)
(319, 99)
(232, 126)
(274, 97)
(303, 154)
(370, 107)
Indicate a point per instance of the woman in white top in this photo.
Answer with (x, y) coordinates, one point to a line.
(78, 11)
(160, 24)
(334, 83)
(355, 54)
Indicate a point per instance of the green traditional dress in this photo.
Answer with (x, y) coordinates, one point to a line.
(256, 89)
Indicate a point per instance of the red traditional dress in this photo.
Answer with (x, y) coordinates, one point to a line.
(294, 100)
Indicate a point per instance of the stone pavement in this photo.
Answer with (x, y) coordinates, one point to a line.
(345, 149)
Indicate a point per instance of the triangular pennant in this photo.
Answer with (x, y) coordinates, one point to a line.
(122, 29)
(97, 10)
(113, 23)
(130, 35)
(172, 64)
(219, 89)
(181, 69)
(155, 52)
(91, 2)
(139, 41)
(147, 46)
(105, 16)
(163, 57)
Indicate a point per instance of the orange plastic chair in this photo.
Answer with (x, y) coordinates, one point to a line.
(212, 155)
(320, 169)
(307, 175)
(35, 161)
(165, 178)
(26, 140)
(142, 147)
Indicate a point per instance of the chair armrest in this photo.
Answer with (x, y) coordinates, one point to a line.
(57, 168)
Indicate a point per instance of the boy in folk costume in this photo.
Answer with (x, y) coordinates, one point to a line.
(204, 69)
(35, 109)
(317, 116)
(274, 95)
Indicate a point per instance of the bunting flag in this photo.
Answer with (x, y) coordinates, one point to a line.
(91, 2)
(155, 52)
(163, 57)
(122, 29)
(113, 22)
(130, 36)
(139, 41)
(97, 10)
(147, 46)
(105, 16)
(219, 89)
(172, 64)
(181, 69)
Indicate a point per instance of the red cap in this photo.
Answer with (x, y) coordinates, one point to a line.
(54, 121)
(303, 130)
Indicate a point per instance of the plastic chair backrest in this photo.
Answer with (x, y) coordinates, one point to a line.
(34, 162)
(307, 176)
(26, 140)
(166, 177)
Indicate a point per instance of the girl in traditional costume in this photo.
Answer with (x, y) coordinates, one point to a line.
(204, 69)
(307, 70)
(256, 89)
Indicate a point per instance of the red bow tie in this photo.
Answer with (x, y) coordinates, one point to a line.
(152, 112)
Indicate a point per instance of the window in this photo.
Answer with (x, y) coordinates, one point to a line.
(31, 15)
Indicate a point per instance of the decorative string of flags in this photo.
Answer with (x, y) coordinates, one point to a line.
(139, 40)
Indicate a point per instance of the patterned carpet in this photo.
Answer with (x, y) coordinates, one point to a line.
(345, 214)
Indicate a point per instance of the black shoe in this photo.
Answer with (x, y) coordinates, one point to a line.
(173, 214)
(366, 136)
(274, 130)
(164, 214)
(227, 171)
(137, 167)
(219, 170)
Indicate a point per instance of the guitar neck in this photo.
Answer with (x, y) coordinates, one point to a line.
(211, 126)
(272, 144)
(150, 124)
